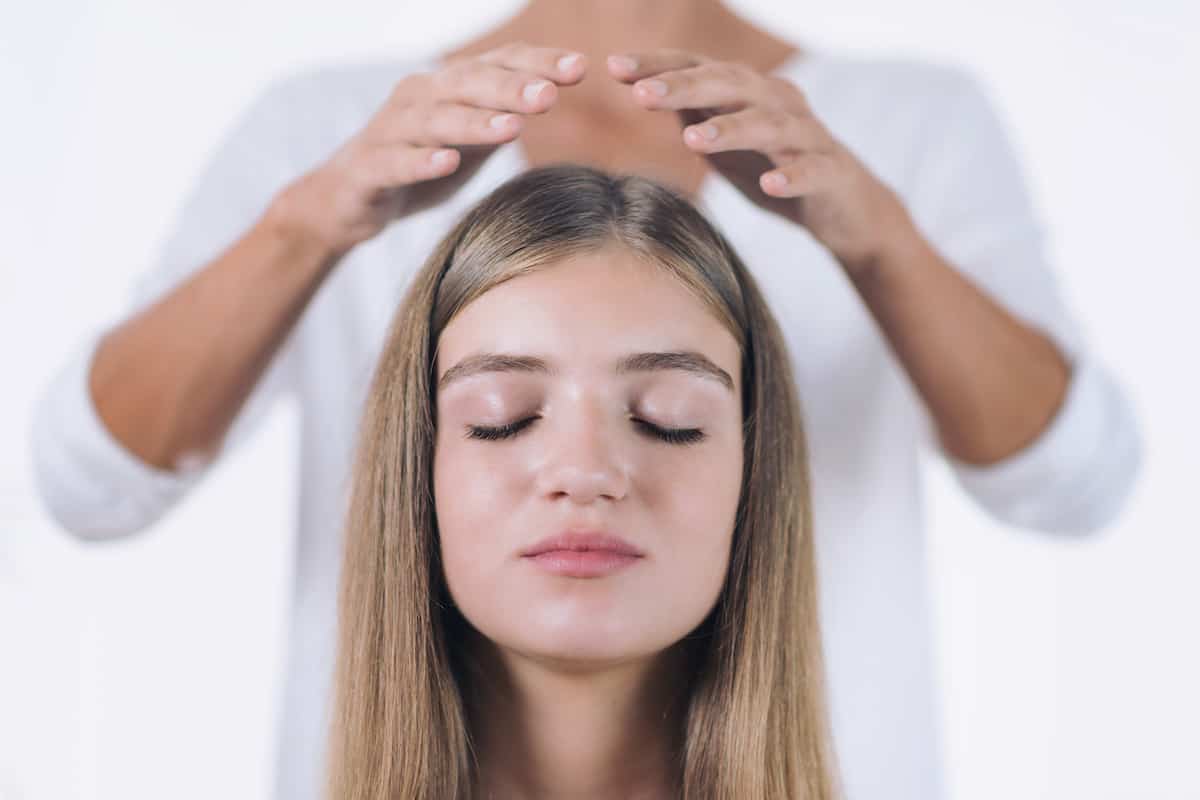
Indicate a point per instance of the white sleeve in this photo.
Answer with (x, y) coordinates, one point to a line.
(91, 485)
(973, 204)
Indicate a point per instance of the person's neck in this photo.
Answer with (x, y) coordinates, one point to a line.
(555, 730)
(597, 28)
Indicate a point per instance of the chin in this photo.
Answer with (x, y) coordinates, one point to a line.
(580, 654)
(584, 641)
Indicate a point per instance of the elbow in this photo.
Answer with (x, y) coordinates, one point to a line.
(90, 486)
(1079, 478)
(82, 526)
(1102, 491)
(89, 523)
(1106, 493)
(1085, 515)
(81, 498)
(85, 512)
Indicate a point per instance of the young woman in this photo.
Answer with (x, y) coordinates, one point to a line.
(579, 552)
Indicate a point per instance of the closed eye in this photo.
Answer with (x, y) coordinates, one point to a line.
(682, 436)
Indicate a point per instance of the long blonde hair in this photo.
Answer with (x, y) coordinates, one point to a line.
(754, 725)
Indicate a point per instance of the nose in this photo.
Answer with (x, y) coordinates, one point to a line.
(586, 461)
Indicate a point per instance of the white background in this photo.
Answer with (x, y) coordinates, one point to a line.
(148, 668)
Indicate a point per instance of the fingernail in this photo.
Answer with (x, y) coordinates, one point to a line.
(708, 131)
(567, 63)
(623, 63)
(532, 89)
(501, 121)
(656, 87)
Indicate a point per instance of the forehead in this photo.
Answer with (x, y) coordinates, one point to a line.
(588, 308)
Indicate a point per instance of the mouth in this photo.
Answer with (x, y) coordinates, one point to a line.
(583, 554)
(582, 563)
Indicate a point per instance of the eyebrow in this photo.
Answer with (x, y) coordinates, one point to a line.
(685, 360)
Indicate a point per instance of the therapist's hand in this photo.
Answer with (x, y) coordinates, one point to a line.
(762, 129)
(430, 135)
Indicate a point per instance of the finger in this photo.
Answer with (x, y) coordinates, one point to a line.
(450, 124)
(719, 84)
(565, 67)
(478, 83)
(629, 67)
(764, 128)
(397, 166)
(804, 174)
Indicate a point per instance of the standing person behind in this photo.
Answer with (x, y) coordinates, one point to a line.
(902, 258)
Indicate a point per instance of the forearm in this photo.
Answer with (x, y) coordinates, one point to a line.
(991, 383)
(169, 381)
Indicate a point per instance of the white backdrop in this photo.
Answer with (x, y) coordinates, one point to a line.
(147, 668)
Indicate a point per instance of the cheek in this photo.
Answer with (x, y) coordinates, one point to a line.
(472, 480)
(696, 519)
(698, 494)
(465, 480)
(473, 495)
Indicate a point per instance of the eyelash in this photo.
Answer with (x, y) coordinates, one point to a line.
(681, 436)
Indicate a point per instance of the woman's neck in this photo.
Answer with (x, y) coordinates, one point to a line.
(547, 729)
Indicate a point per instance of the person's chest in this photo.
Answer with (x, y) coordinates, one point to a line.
(643, 142)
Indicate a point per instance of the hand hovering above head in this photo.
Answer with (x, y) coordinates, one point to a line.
(760, 133)
(433, 132)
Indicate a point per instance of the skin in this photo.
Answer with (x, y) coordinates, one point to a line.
(580, 671)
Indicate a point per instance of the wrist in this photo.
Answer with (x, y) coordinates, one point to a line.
(897, 245)
(294, 218)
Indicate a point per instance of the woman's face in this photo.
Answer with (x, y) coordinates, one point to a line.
(585, 454)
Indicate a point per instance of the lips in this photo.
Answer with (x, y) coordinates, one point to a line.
(583, 541)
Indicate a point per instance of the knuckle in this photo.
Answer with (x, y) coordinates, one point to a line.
(774, 116)
(779, 82)
(734, 70)
(713, 70)
(512, 49)
(807, 169)
(401, 117)
(481, 121)
(515, 83)
(454, 73)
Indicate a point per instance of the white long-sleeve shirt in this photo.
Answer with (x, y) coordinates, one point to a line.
(927, 130)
